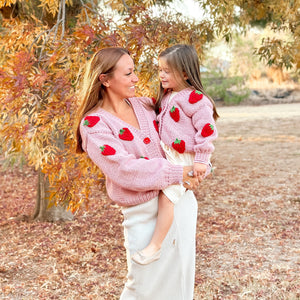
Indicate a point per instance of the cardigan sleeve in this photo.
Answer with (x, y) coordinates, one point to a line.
(123, 168)
(201, 114)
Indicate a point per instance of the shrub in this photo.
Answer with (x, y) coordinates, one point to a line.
(230, 90)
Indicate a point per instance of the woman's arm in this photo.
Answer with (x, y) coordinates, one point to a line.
(127, 170)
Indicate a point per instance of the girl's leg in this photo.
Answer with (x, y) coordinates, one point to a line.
(163, 223)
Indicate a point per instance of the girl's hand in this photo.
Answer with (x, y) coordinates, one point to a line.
(199, 171)
(189, 182)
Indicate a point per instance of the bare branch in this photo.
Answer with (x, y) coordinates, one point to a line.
(58, 21)
(63, 4)
(85, 11)
(126, 6)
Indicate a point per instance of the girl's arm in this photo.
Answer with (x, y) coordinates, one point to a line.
(201, 114)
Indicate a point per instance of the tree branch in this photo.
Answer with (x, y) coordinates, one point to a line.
(63, 4)
(126, 6)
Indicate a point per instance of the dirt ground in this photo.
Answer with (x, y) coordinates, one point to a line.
(248, 235)
(250, 207)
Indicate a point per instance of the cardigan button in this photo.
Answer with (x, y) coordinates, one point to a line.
(146, 140)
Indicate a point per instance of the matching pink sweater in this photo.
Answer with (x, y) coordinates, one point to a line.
(188, 118)
(131, 158)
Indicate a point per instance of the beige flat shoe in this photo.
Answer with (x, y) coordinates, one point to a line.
(141, 259)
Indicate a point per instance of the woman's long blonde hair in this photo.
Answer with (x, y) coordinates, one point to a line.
(92, 92)
(183, 60)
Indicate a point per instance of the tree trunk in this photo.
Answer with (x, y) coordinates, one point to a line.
(42, 210)
(23, 9)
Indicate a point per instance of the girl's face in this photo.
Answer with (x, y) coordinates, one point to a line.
(122, 83)
(168, 78)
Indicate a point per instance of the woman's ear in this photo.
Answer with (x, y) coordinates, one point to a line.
(104, 80)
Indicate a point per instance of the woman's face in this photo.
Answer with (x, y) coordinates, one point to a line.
(122, 83)
(168, 78)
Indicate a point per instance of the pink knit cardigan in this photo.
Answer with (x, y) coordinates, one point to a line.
(131, 158)
(186, 123)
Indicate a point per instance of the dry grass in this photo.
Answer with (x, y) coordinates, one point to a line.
(248, 237)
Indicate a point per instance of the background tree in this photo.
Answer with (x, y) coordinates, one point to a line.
(44, 48)
(281, 16)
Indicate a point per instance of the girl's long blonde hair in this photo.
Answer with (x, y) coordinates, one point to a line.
(183, 60)
(92, 92)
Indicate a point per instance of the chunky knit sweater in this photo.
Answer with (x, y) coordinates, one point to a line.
(186, 123)
(131, 159)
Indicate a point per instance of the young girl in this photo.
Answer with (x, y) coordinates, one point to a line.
(186, 116)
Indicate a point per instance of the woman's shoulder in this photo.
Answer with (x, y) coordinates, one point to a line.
(145, 102)
(92, 120)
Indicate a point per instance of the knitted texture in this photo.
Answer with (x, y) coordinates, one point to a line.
(131, 158)
(193, 128)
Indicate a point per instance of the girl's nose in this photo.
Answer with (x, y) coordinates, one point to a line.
(135, 78)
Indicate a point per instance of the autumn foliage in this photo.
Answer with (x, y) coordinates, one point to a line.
(42, 60)
(40, 75)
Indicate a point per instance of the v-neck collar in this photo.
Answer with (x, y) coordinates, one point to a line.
(136, 110)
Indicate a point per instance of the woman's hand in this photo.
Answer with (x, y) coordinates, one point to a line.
(189, 182)
(199, 171)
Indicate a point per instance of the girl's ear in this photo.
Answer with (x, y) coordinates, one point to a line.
(185, 76)
(104, 80)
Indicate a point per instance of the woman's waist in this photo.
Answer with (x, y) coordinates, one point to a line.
(127, 198)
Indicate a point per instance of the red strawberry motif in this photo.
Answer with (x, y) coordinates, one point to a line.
(159, 110)
(155, 123)
(174, 113)
(195, 96)
(153, 100)
(144, 157)
(91, 121)
(207, 130)
(107, 150)
(179, 145)
(125, 134)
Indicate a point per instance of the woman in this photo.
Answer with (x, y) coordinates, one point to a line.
(119, 134)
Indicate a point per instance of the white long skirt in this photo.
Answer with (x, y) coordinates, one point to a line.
(172, 276)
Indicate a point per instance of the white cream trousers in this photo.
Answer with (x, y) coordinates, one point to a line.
(172, 276)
